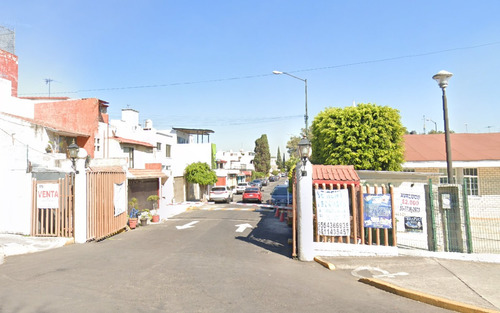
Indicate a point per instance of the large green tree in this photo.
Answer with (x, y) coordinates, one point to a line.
(278, 158)
(262, 158)
(368, 136)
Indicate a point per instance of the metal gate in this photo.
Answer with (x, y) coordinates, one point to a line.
(53, 208)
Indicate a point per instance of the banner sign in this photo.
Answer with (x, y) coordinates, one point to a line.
(377, 211)
(47, 196)
(119, 198)
(410, 209)
(332, 208)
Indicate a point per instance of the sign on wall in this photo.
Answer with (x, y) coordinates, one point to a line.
(377, 211)
(332, 208)
(410, 209)
(47, 196)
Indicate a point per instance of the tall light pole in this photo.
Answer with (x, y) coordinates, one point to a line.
(442, 79)
(305, 82)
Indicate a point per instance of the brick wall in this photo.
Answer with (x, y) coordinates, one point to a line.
(489, 180)
(9, 69)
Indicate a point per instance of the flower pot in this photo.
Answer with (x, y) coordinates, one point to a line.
(155, 219)
(144, 222)
(132, 223)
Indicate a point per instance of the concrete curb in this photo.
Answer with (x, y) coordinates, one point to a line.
(423, 297)
(326, 264)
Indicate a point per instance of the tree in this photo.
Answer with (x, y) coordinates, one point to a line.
(292, 145)
(278, 158)
(368, 136)
(262, 158)
(200, 173)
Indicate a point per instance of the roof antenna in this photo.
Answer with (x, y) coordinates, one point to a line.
(47, 82)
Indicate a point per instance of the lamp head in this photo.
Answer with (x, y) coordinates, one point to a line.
(442, 78)
(277, 72)
(73, 149)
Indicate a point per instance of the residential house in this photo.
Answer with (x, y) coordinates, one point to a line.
(475, 159)
(234, 167)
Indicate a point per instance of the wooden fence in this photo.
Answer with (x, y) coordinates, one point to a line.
(57, 219)
(359, 234)
(102, 218)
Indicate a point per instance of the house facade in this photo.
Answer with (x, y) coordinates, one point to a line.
(234, 167)
(475, 159)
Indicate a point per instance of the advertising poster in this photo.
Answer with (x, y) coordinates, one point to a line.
(47, 196)
(119, 198)
(410, 209)
(332, 208)
(377, 211)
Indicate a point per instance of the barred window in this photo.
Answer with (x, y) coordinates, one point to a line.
(158, 146)
(471, 181)
(167, 150)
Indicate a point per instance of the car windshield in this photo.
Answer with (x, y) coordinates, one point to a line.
(280, 191)
(243, 184)
(251, 190)
(219, 189)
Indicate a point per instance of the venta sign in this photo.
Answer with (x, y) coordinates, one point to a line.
(47, 196)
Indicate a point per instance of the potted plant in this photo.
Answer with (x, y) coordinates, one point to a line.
(154, 212)
(134, 213)
(145, 217)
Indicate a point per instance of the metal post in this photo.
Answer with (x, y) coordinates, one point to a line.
(447, 138)
(306, 117)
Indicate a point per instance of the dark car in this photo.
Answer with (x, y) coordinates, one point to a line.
(281, 196)
(256, 183)
(252, 194)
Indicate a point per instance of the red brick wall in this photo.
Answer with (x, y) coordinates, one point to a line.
(9, 69)
(81, 116)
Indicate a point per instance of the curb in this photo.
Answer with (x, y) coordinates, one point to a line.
(326, 264)
(423, 297)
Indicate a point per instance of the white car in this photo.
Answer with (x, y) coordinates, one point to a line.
(221, 194)
(241, 187)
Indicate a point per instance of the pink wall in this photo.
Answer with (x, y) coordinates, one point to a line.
(9, 69)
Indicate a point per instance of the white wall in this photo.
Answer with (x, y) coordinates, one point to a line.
(185, 154)
(13, 105)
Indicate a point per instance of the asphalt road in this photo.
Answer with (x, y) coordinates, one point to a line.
(231, 260)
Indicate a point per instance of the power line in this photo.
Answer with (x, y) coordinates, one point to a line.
(270, 74)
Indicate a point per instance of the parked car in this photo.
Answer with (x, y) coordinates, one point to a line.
(256, 183)
(265, 181)
(273, 179)
(241, 187)
(221, 194)
(252, 194)
(281, 196)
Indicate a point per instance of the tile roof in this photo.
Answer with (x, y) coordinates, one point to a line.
(335, 174)
(133, 142)
(464, 147)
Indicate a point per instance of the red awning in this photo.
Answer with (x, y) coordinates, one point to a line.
(247, 173)
(335, 174)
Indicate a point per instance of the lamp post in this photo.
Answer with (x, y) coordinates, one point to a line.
(435, 124)
(305, 82)
(442, 79)
(304, 153)
(73, 150)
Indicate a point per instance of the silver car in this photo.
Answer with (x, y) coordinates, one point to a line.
(221, 194)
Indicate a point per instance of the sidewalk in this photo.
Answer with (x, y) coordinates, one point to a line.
(455, 281)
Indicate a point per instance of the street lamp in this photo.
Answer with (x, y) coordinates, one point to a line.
(73, 150)
(304, 152)
(442, 79)
(435, 124)
(305, 82)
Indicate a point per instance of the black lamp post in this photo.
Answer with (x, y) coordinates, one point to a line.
(73, 150)
(442, 79)
(304, 153)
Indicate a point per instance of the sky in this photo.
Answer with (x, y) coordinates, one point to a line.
(209, 64)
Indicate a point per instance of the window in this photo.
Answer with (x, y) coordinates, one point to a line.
(97, 144)
(158, 146)
(167, 150)
(130, 152)
(471, 181)
(443, 179)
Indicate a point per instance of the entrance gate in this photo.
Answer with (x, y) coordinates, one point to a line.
(53, 207)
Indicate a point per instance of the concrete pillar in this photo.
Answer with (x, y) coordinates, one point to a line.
(305, 228)
(80, 201)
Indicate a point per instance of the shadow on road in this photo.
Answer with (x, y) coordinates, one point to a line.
(271, 234)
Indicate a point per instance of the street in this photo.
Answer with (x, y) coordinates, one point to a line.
(231, 260)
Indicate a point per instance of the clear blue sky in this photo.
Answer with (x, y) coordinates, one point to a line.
(208, 64)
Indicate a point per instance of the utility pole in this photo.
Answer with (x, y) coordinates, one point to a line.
(47, 82)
